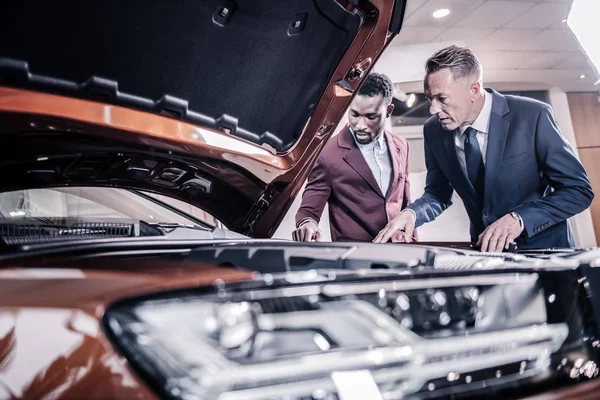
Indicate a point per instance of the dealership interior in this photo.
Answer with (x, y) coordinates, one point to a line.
(526, 48)
(163, 171)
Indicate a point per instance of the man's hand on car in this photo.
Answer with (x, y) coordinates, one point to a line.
(405, 221)
(307, 232)
(500, 234)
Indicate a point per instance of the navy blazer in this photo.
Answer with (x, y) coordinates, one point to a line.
(530, 168)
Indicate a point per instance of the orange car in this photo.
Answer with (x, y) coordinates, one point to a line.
(147, 153)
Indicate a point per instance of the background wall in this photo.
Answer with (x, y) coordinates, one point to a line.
(585, 114)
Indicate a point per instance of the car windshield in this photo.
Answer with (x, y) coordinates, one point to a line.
(98, 204)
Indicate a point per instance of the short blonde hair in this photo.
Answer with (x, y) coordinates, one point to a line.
(460, 60)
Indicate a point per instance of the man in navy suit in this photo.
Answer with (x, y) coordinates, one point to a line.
(518, 177)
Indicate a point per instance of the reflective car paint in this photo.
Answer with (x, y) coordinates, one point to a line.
(51, 341)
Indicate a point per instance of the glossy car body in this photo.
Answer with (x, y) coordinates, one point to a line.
(66, 305)
(56, 339)
(52, 345)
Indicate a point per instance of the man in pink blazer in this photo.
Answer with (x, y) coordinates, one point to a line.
(362, 173)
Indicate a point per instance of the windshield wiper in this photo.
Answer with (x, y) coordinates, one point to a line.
(47, 230)
(168, 227)
(176, 210)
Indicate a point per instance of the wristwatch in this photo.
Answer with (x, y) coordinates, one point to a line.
(517, 217)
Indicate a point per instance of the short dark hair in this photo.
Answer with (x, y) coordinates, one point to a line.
(375, 84)
(460, 60)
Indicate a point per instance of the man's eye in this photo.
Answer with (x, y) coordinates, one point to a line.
(372, 117)
(443, 99)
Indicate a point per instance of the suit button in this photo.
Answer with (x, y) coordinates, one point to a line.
(485, 215)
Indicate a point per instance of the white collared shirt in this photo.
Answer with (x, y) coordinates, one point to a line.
(481, 125)
(377, 156)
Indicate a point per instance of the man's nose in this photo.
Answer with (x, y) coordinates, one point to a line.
(434, 108)
(361, 124)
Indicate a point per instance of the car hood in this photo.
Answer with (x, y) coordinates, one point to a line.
(224, 104)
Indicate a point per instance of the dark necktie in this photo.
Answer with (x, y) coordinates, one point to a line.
(474, 160)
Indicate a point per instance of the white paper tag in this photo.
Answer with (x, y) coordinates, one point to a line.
(356, 385)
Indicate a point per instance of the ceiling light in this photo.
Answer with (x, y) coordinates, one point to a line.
(582, 76)
(583, 22)
(411, 100)
(441, 13)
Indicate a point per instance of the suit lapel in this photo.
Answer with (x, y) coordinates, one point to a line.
(356, 160)
(496, 141)
(395, 157)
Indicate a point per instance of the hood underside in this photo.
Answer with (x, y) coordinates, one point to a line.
(241, 65)
(267, 80)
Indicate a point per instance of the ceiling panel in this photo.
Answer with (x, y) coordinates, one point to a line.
(550, 40)
(471, 37)
(575, 60)
(502, 59)
(542, 15)
(543, 60)
(560, 25)
(496, 13)
(521, 43)
(505, 39)
(459, 9)
(412, 6)
(416, 35)
(567, 80)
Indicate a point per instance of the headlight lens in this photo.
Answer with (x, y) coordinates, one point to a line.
(272, 343)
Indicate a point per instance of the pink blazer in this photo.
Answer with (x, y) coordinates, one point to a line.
(357, 208)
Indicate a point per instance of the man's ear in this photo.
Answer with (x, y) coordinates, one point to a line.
(389, 110)
(476, 87)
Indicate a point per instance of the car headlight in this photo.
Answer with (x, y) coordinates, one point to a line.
(269, 343)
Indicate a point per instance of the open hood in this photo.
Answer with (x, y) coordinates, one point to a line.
(222, 103)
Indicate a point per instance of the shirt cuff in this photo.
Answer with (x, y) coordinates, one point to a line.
(414, 213)
(306, 220)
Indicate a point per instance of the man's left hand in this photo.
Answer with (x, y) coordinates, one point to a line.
(500, 234)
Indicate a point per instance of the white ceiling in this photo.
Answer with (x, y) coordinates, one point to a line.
(522, 44)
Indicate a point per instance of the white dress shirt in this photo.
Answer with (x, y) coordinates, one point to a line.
(481, 125)
(377, 156)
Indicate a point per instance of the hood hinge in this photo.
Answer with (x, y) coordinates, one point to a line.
(258, 209)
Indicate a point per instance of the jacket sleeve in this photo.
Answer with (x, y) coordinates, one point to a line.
(572, 189)
(406, 199)
(438, 192)
(316, 193)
